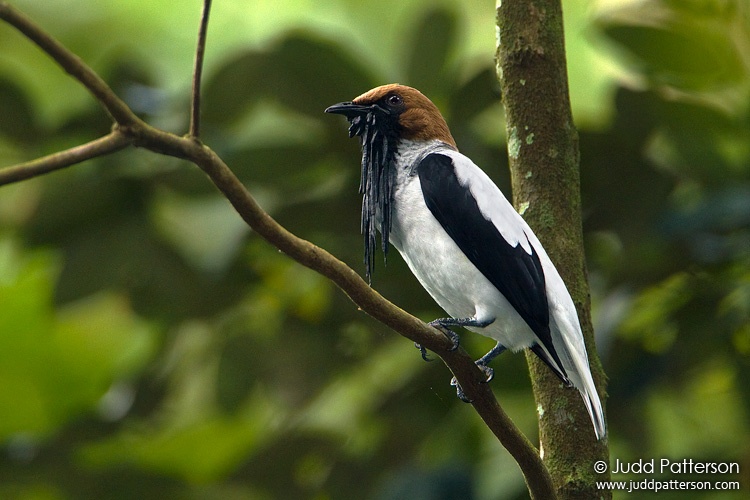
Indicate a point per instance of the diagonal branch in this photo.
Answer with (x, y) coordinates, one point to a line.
(72, 64)
(471, 379)
(110, 143)
(195, 109)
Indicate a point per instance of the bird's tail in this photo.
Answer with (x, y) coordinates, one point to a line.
(568, 343)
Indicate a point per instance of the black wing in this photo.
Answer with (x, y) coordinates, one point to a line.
(515, 273)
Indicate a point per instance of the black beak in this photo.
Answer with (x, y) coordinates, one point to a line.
(348, 109)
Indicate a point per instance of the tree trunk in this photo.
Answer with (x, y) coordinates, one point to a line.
(544, 163)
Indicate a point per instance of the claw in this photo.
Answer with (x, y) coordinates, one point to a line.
(489, 373)
(423, 351)
(452, 336)
(459, 391)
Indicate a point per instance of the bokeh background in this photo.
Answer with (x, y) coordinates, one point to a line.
(151, 346)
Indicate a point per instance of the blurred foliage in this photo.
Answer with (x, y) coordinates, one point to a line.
(152, 347)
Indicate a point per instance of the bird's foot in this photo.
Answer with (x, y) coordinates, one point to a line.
(442, 325)
(481, 363)
(452, 336)
(489, 373)
(484, 361)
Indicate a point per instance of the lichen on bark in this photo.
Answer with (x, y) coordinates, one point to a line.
(531, 67)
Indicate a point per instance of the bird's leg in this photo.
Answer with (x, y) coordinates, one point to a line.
(465, 322)
(482, 364)
(484, 361)
(442, 324)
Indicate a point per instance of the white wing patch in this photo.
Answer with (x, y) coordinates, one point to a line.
(491, 201)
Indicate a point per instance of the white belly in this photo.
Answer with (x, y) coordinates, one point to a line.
(447, 274)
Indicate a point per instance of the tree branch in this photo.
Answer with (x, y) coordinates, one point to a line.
(72, 64)
(195, 109)
(132, 130)
(110, 143)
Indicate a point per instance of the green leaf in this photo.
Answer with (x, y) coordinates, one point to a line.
(703, 417)
(25, 332)
(54, 366)
(205, 231)
(234, 89)
(682, 44)
(309, 73)
(347, 406)
(430, 56)
(473, 97)
(200, 452)
(680, 55)
(651, 319)
(96, 341)
(18, 118)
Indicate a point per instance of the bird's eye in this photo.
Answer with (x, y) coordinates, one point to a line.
(394, 100)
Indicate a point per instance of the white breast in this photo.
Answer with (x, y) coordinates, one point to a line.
(443, 269)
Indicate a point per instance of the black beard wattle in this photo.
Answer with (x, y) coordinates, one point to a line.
(379, 142)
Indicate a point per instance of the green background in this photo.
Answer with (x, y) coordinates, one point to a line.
(151, 346)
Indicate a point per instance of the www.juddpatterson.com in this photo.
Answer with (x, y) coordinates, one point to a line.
(668, 467)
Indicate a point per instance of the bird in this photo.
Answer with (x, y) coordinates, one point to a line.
(461, 238)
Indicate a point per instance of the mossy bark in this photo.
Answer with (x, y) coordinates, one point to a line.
(544, 163)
